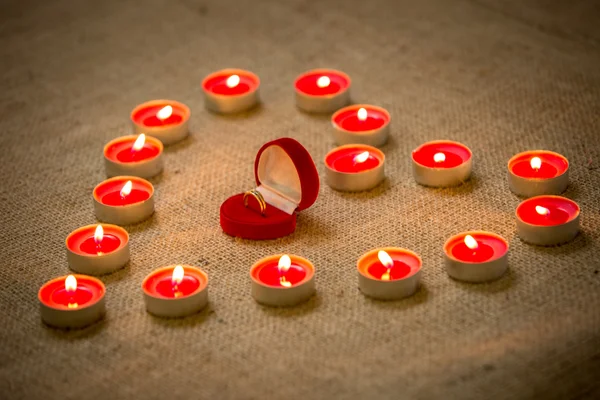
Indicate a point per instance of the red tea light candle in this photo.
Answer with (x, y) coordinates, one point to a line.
(165, 120)
(282, 280)
(124, 200)
(133, 155)
(230, 91)
(354, 167)
(442, 163)
(72, 301)
(476, 256)
(533, 173)
(547, 220)
(361, 123)
(322, 90)
(97, 249)
(175, 291)
(390, 273)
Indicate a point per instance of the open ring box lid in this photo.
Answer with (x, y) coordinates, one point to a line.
(287, 178)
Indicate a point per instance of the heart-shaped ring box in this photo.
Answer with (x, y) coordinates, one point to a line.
(288, 180)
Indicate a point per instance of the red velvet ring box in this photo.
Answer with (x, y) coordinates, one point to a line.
(288, 180)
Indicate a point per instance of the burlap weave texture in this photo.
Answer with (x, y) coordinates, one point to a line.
(499, 76)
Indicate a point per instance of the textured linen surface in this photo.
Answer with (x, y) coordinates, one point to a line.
(499, 76)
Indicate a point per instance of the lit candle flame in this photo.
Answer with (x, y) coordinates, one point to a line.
(323, 81)
(385, 259)
(542, 210)
(177, 277)
(471, 242)
(139, 142)
(536, 163)
(126, 189)
(164, 113)
(71, 284)
(361, 158)
(387, 262)
(439, 157)
(99, 234)
(362, 114)
(233, 81)
(283, 266)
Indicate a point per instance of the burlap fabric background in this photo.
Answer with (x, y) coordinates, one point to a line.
(501, 77)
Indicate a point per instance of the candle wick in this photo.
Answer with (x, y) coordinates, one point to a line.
(386, 275)
(71, 302)
(283, 282)
(176, 292)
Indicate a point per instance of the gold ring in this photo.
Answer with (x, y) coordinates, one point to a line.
(259, 199)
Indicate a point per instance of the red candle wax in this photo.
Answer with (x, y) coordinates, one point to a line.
(482, 253)
(147, 115)
(108, 244)
(72, 298)
(115, 198)
(270, 275)
(307, 83)
(345, 160)
(552, 164)
(454, 154)
(131, 155)
(167, 288)
(398, 271)
(556, 210)
(349, 120)
(217, 84)
(524, 169)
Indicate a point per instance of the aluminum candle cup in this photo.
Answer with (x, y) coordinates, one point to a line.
(476, 256)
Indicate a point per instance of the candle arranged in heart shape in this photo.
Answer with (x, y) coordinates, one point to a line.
(166, 120)
(476, 256)
(97, 249)
(322, 90)
(133, 155)
(442, 163)
(175, 291)
(282, 280)
(124, 200)
(354, 167)
(533, 173)
(547, 220)
(230, 91)
(361, 123)
(72, 301)
(390, 273)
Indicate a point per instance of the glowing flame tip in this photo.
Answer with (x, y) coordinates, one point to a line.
(178, 273)
(362, 114)
(139, 142)
(164, 112)
(471, 242)
(126, 189)
(385, 259)
(232, 81)
(542, 210)
(439, 157)
(284, 264)
(98, 234)
(362, 157)
(536, 163)
(70, 283)
(323, 81)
